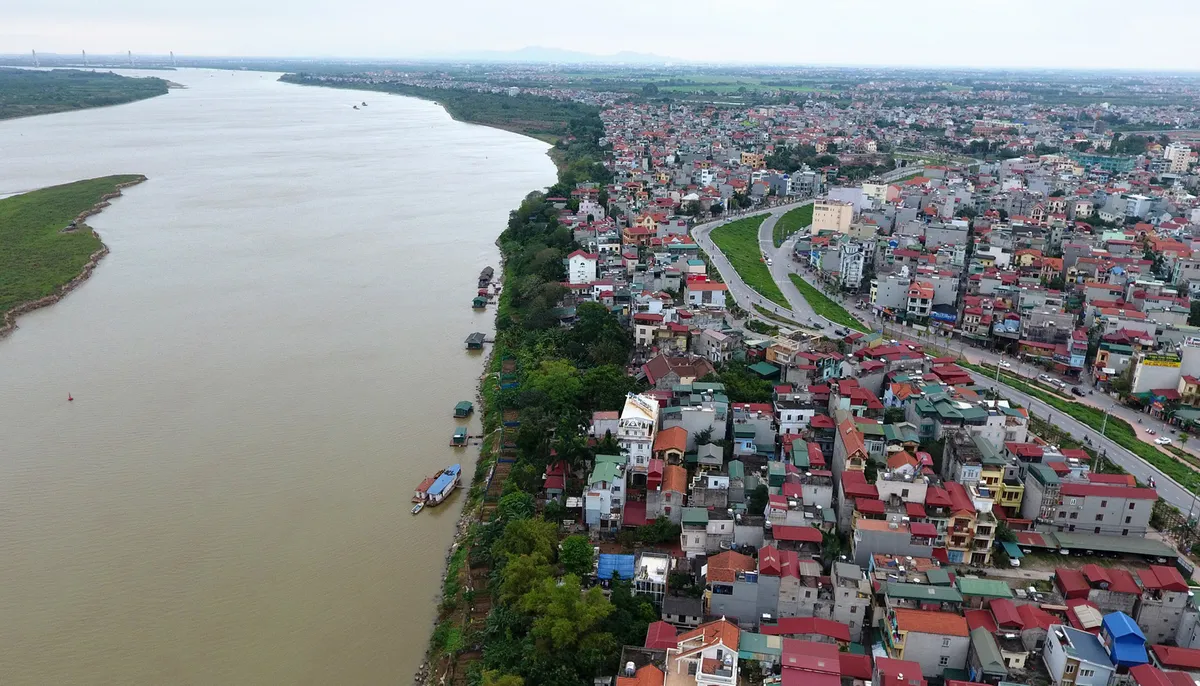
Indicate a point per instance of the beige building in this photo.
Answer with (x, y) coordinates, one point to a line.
(832, 215)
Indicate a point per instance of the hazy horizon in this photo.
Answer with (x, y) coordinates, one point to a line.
(1020, 34)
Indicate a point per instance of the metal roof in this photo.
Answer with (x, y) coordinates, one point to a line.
(922, 592)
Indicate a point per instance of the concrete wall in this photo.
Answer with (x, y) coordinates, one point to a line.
(1160, 619)
(927, 650)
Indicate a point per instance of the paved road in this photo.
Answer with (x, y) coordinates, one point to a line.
(1168, 488)
(745, 296)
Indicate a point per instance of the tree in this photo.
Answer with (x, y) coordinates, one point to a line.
(758, 499)
(704, 436)
(661, 530)
(563, 614)
(632, 614)
(649, 90)
(575, 555)
(605, 387)
(893, 415)
(871, 471)
(831, 545)
(521, 575)
(1003, 533)
(517, 505)
(493, 678)
(526, 537)
(559, 381)
(1194, 314)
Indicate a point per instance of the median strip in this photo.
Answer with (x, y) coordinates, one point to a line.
(1118, 430)
(738, 240)
(826, 307)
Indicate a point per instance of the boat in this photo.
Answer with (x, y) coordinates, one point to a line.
(356, 107)
(463, 409)
(418, 507)
(479, 303)
(419, 494)
(364, 103)
(459, 439)
(475, 341)
(445, 483)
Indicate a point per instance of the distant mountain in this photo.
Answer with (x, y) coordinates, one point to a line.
(540, 55)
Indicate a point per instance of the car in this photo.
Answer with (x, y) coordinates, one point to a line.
(1006, 364)
(768, 262)
(1151, 431)
(1078, 391)
(1044, 377)
(1162, 440)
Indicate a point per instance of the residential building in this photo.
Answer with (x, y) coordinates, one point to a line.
(936, 641)
(1076, 657)
(1104, 509)
(705, 656)
(851, 597)
(603, 502)
(832, 215)
(581, 267)
(1164, 600)
(635, 433)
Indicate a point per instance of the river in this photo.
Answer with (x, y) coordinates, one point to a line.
(263, 369)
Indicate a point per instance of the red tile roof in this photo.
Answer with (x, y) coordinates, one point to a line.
(1160, 577)
(927, 622)
(725, 566)
(660, 636)
(802, 534)
(1005, 613)
(792, 626)
(1072, 583)
(1103, 490)
(1171, 657)
(981, 618)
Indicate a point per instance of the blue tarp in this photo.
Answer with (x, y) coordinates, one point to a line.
(621, 564)
(1128, 643)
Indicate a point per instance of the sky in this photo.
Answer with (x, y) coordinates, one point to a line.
(1148, 34)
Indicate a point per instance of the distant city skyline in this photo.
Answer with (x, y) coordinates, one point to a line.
(1069, 34)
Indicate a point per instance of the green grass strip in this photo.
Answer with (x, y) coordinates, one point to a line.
(739, 241)
(826, 307)
(790, 223)
(1118, 430)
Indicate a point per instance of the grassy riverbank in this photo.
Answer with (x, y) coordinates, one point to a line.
(738, 240)
(25, 92)
(790, 223)
(38, 257)
(1117, 430)
(825, 306)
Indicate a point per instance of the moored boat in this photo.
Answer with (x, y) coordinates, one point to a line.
(445, 483)
(459, 439)
(418, 507)
(463, 409)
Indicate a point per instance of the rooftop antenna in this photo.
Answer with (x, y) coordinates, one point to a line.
(130, 52)
(35, 59)
(173, 59)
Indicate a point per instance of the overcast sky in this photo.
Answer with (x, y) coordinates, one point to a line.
(1147, 34)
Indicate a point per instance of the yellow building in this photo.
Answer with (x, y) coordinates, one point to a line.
(832, 215)
(754, 160)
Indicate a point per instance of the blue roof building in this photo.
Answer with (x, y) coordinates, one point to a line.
(1125, 641)
(623, 565)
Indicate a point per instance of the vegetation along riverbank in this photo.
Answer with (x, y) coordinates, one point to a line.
(24, 92)
(46, 248)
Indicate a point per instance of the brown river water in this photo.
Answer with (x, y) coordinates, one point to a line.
(263, 369)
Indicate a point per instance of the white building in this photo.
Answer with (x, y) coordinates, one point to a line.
(851, 260)
(635, 432)
(1180, 157)
(581, 267)
(1076, 657)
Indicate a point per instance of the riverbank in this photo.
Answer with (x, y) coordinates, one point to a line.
(47, 249)
(29, 92)
(540, 118)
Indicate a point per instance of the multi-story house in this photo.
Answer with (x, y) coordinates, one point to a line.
(604, 500)
(1076, 657)
(635, 433)
(937, 641)
(1162, 604)
(665, 495)
(1042, 493)
(1104, 509)
(851, 597)
(705, 656)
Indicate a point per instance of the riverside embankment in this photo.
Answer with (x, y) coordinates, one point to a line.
(40, 248)
(263, 367)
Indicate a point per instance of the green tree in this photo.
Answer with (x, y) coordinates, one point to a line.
(526, 537)
(893, 415)
(494, 678)
(559, 381)
(704, 436)
(1003, 533)
(521, 575)
(661, 530)
(605, 387)
(632, 614)
(758, 499)
(575, 555)
(517, 505)
(563, 614)
(649, 90)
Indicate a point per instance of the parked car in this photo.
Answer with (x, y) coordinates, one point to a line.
(1078, 391)
(1162, 440)
(1006, 364)
(1151, 431)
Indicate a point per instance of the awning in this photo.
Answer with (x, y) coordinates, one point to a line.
(1013, 551)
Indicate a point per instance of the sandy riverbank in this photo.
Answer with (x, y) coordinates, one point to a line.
(10, 318)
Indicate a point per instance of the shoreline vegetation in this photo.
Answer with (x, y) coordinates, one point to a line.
(513, 610)
(529, 115)
(26, 92)
(46, 247)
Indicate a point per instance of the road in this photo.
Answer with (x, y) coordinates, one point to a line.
(742, 294)
(1168, 488)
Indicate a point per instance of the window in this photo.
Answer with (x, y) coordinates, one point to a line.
(1099, 518)
(1124, 532)
(1097, 529)
(1129, 520)
(1074, 515)
(1086, 672)
(1131, 505)
(853, 609)
(944, 660)
(1061, 514)
(904, 493)
(1070, 668)
(1103, 503)
(945, 643)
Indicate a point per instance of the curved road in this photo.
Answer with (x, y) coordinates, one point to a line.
(745, 296)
